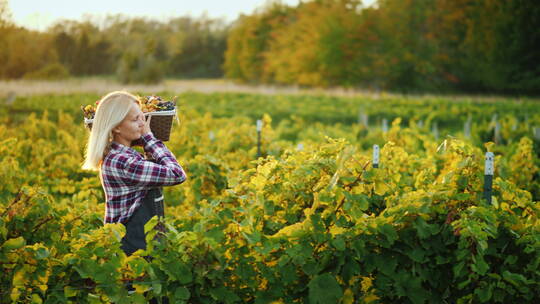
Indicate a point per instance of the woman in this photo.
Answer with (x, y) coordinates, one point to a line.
(131, 182)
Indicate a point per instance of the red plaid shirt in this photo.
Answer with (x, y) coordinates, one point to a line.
(127, 176)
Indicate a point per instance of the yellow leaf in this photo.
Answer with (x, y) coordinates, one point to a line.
(69, 292)
(42, 287)
(370, 298)
(366, 283)
(381, 188)
(259, 181)
(15, 243)
(15, 294)
(348, 297)
(19, 278)
(139, 288)
(337, 230)
(294, 230)
(36, 299)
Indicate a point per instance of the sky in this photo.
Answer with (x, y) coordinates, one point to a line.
(40, 14)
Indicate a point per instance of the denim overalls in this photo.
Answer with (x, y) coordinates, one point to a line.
(151, 205)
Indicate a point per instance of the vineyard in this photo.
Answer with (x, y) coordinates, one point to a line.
(309, 221)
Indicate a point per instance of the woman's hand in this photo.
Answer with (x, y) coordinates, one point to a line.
(146, 127)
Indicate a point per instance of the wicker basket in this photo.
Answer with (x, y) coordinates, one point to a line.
(160, 125)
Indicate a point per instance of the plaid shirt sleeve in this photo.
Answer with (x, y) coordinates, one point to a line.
(166, 171)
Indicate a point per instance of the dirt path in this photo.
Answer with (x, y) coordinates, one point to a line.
(9, 89)
(101, 85)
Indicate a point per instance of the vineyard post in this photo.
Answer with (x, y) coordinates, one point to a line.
(375, 156)
(211, 136)
(488, 176)
(495, 126)
(384, 125)
(467, 127)
(363, 118)
(420, 124)
(435, 130)
(300, 147)
(497, 134)
(536, 133)
(259, 129)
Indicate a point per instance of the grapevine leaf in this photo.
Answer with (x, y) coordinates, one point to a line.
(480, 266)
(223, 295)
(324, 289)
(182, 293)
(390, 233)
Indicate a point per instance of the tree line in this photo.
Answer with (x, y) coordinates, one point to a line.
(407, 45)
(133, 49)
(404, 45)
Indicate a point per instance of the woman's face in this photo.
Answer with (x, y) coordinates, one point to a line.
(131, 127)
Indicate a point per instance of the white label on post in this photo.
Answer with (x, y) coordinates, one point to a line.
(375, 154)
(489, 167)
(259, 125)
(211, 135)
(385, 125)
(536, 132)
(300, 147)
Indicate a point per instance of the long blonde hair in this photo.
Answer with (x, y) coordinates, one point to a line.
(110, 112)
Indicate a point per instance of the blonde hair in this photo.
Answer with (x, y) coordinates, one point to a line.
(110, 112)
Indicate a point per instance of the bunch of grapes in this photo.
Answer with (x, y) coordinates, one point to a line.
(167, 106)
(148, 104)
(155, 103)
(89, 111)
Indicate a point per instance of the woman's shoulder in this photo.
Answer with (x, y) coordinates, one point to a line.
(119, 159)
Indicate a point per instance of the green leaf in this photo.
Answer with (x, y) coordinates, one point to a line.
(480, 266)
(390, 233)
(182, 293)
(338, 243)
(458, 269)
(368, 175)
(417, 255)
(515, 279)
(422, 227)
(463, 284)
(386, 264)
(324, 289)
(485, 293)
(42, 253)
(223, 295)
(288, 274)
(356, 203)
(252, 238)
(178, 271)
